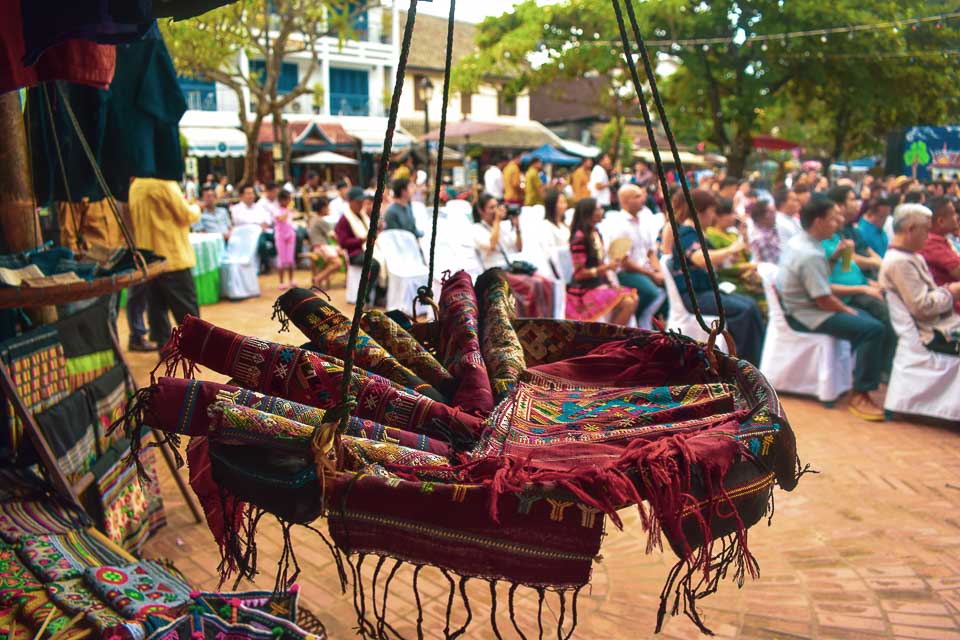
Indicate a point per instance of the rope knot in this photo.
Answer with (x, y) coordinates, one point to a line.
(280, 316)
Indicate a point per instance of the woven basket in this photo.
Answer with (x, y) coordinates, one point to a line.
(23, 297)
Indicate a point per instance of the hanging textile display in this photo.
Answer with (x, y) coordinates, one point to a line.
(499, 344)
(130, 506)
(459, 348)
(70, 429)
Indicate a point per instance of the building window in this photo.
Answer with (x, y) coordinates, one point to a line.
(418, 104)
(349, 92)
(466, 103)
(506, 104)
(200, 95)
(289, 75)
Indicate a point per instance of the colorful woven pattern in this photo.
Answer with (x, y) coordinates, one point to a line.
(69, 428)
(37, 609)
(87, 345)
(499, 344)
(109, 394)
(131, 508)
(138, 590)
(15, 578)
(75, 597)
(407, 350)
(20, 518)
(329, 331)
(460, 345)
(63, 556)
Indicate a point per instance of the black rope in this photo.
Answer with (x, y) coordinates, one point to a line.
(77, 219)
(655, 148)
(346, 396)
(427, 292)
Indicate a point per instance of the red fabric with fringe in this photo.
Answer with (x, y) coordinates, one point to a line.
(460, 345)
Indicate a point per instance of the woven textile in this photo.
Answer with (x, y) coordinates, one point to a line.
(74, 597)
(280, 604)
(139, 589)
(131, 507)
(15, 579)
(329, 331)
(109, 395)
(307, 378)
(69, 428)
(21, 483)
(63, 556)
(201, 626)
(38, 370)
(499, 344)
(20, 518)
(407, 350)
(87, 345)
(460, 345)
(35, 610)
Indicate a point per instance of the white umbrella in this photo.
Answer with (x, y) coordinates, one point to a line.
(324, 157)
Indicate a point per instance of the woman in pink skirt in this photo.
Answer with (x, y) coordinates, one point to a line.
(285, 237)
(591, 295)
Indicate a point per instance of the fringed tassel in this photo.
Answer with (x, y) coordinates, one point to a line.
(280, 317)
(172, 358)
(450, 595)
(416, 597)
(563, 613)
(541, 594)
(573, 618)
(382, 624)
(513, 617)
(132, 423)
(466, 605)
(802, 470)
(239, 548)
(365, 628)
(337, 557)
(288, 559)
(378, 621)
(493, 610)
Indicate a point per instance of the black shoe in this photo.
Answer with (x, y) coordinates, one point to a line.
(142, 345)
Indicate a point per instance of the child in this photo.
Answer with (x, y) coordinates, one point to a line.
(327, 258)
(285, 237)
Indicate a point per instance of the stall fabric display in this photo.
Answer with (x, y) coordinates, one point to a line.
(20, 518)
(696, 444)
(88, 348)
(130, 505)
(109, 395)
(460, 346)
(77, 61)
(63, 556)
(70, 429)
(407, 350)
(499, 343)
(139, 589)
(329, 330)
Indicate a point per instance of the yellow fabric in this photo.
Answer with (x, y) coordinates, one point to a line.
(97, 225)
(580, 181)
(512, 191)
(403, 171)
(532, 190)
(161, 221)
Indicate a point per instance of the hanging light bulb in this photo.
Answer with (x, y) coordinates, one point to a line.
(764, 47)
(823, 38)
(850, 34)
(706, 47)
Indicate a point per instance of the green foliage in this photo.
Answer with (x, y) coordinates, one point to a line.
(614, 140)
(817, 91)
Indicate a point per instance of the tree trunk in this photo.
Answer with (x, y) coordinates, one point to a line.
(737, 158)
(251, 160)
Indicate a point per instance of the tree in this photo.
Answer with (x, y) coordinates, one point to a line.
(614, 142)
(721, 91)
(217, 45)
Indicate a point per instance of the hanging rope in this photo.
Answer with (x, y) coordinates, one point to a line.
(346, 394)
(127, 235)
(71, 203)
(720, 325)
(425, 294)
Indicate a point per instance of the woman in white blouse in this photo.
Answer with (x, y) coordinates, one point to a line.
(555, 234)
(496, 241)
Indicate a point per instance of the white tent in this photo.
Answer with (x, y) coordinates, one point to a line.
(324, 157)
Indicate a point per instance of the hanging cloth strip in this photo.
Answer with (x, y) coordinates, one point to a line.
(329, 330)
(501, 349)
(460, 345)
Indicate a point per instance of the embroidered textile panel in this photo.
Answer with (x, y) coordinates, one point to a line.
(68, 428)
(131, 510)
(139, 589)
(63, 556)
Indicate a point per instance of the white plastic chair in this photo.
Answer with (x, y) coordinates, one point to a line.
(406, 270)
(810, 364)
(422, 216)
(679, 319)
(353, 284)
(922, 382)
(563, 260)
(459, 210)
(240, 266)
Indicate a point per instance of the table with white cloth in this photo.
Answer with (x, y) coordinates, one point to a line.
(208, 248)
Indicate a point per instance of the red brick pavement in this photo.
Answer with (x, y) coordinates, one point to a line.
(868, 548)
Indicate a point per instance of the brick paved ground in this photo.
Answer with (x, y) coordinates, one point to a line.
(869, 548)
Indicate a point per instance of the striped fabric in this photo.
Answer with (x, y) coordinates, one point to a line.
(34, 517)
(131, 508)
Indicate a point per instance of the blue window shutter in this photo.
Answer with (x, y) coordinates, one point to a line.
(349, 92)
(201, 95)
(289, 75)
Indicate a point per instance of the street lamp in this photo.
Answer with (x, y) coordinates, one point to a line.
(425, 90)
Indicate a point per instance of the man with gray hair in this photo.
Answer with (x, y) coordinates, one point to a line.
(905, 273)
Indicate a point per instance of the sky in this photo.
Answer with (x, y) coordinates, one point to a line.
(467, 10)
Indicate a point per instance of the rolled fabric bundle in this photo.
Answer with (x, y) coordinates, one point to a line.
(329, 331)
(460, 345)
(306, 377)
(407, 350)
(499, 343)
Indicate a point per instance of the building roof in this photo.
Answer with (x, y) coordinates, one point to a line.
(310, 134)
(567, 100)
(428, 47)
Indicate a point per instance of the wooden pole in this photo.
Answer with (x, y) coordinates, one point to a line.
(19, 224)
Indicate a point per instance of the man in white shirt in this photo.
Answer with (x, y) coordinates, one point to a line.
(640, 269)
(493, 180)
(339, 204)
(268, 201)
(600, 181)
(788, 207)
(247, 211)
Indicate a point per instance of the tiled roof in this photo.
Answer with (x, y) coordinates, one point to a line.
(428, 47)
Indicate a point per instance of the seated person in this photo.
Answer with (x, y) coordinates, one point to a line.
(399, 214)
(938, 251)
(555, 234)
(787, 204)
(848, 207)
(736, 269)
(871, 224)
(327, 258)
(810, 305)
(905, 272)
(640, 270)
(764, 236)
(496, 239)
(351, 232)
(250, 212)
(744, 320)
(590, 295)
(213, 218)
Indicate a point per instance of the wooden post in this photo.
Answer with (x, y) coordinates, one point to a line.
(19, 224)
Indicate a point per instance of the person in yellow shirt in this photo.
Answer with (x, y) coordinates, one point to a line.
(533, 189)
(161, 223)
(405, 170)
(512, 189)
(580, 180)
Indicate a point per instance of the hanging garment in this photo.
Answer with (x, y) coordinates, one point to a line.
(130, 506)
(93, 222)
(460, 345)
(69, 429)
(499, 344)
(73, 61)
(50, 22)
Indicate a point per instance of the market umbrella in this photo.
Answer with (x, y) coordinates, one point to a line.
(462, 130)
(324, 157)
(550, 155)
(773, 144)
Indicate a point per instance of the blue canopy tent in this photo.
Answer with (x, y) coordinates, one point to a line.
(551, 155)
(860, 165)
